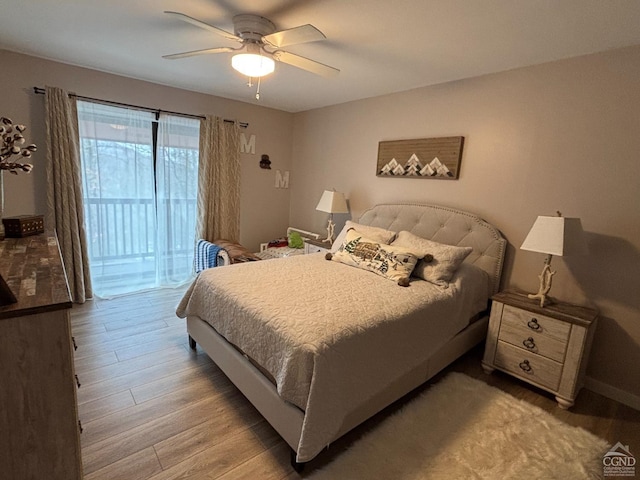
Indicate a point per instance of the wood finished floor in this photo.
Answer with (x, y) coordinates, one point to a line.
(151, 408)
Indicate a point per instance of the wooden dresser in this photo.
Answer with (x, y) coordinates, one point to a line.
(39, 425)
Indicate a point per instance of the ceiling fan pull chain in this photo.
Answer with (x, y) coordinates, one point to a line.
(258, 90)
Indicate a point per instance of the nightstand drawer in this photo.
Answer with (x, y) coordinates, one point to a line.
(531, 341)
(529, 366)
(536, 323)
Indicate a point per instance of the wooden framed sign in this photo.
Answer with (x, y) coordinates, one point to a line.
(437, 158)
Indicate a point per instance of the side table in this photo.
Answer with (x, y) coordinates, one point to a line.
(546, 347)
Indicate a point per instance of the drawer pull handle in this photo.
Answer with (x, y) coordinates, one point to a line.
(77, 381)
(524, 365)
(533, 324)
(75, 346)
(529, 343)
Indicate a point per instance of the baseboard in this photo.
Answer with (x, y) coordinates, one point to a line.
(606, 390)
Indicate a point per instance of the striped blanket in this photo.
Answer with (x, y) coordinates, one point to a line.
(206, 255)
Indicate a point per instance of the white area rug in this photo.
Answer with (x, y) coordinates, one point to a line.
(461, 428)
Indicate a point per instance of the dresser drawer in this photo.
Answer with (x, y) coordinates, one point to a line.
(528, 366)
(513, 332)
(533, 322)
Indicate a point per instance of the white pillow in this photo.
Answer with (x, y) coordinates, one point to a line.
(392, 262)
(379, 235)
(446, 258)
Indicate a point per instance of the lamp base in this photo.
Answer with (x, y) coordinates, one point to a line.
(545, 284)
(545, 300)
(330, 229)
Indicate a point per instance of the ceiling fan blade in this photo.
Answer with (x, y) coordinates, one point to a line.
(305, 63)
(199, 52)
(206, 26)
(293, 36)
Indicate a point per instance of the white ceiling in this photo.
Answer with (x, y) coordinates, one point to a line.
(380, 46)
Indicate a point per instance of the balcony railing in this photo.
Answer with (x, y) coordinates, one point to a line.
(122, 231)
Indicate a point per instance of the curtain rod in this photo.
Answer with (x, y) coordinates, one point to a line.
(41, 91)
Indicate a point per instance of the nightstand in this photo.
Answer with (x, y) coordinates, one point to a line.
(316, 246)
(546, 347)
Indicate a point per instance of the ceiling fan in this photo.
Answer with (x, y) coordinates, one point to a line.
(260, 45)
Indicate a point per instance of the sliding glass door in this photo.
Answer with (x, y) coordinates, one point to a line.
(139, 174)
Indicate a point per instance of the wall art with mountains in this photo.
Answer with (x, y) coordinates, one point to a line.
(436, 158)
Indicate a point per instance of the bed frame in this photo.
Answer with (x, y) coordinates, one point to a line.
(440, 224)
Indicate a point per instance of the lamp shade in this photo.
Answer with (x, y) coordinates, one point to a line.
(332, 202)
(558, 236)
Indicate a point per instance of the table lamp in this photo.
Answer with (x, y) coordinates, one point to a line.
(332, 202)
(554, 236)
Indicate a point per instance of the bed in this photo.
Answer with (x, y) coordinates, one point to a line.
(318, 347)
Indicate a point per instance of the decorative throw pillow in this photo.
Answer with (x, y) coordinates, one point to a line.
(394, 263)
(295, 240)
(377, 234)
(446, 258)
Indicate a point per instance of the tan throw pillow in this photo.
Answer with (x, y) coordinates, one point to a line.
(377, 234)
(446, 258)
(394, 263)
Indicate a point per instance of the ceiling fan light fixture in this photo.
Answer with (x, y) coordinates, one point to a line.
(253, 64)
(255, 33)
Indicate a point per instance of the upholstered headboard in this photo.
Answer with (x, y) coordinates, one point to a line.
(445, 225)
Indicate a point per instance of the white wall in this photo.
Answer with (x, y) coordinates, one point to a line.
(559, 136)
(264, 209)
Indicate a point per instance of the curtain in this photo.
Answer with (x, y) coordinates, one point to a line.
(64, 190)
(118, 184)
(219, 180)
(176, 190)
(140, 174)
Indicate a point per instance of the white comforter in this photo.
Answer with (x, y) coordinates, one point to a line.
(331, 335)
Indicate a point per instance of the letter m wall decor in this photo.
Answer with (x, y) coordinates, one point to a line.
(437, 158)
